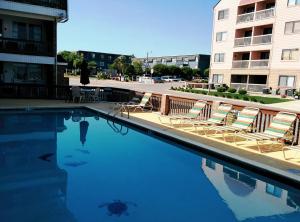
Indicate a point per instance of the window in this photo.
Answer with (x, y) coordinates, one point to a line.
(35, 33)
(217, 78)
(219, 57)
(221, 36)
(223, 14)
(19, 30)
(286, 81)
(26, 73)
(293, 2)
(210, 164)
(292, 27)
(290, 54)
(273, 190)
(102, 64)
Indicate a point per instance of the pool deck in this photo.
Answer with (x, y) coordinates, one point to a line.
(273, 162)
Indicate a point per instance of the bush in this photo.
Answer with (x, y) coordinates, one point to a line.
(229, 96)
(232, 90)
(221, 89)
(242, 92)
(246, 98)
(204, 92)
(262, 102)
(101, 75)
(253, 99)
(236, 97)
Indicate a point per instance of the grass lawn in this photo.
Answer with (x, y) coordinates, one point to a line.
(258, 99)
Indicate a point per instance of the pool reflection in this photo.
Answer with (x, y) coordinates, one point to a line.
(247, 197)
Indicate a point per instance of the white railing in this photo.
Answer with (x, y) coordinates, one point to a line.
(264, 14)
(259, 15)
(246, 41)
(255, 40)
(241, 64)
(246, 64)
(262, 39)
(263, 63)
(248, 17)
(249, 87)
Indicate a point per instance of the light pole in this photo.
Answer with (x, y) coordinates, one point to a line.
(147, 62)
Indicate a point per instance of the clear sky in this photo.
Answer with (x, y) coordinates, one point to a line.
(165, 27)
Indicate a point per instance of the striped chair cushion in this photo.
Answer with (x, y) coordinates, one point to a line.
(281, 124)
(197, 109)
(145, 99)
(220, 115)
(246, 118)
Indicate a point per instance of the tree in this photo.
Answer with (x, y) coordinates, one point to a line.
(121, 63)
(160, 70)
(130, 71)
(138, 67)
(92, 65)
(187, 73)
(78, 60)
(175, 71)
(206, 72)
(69, 57)
(196, 72)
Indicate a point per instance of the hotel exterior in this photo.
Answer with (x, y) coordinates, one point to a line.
(197, 61)
(28, 43)
(256, 44)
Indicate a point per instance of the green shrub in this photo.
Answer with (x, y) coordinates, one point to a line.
(229, 96)
(262, 102)
(204, 92)
(216, 94)
(221, 89)
(223, 95)
(232, 90)
(242, 92)
(236, 97)
(253, 99)
(246, 98)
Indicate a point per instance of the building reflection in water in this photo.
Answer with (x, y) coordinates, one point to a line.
(248, 197)
(32, 186)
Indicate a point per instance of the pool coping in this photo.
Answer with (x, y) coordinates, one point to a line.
(278, 174)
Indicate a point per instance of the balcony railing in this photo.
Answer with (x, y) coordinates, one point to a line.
(241, 64)
(247, 64)
(249, 87)
(26, 47)
(259, 63)
(59, 4)
(259, 15)
(255, 40)
(246, 41)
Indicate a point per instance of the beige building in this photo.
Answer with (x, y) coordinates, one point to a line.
(256, 44)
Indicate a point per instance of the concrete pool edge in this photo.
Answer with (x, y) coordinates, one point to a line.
(252, 164)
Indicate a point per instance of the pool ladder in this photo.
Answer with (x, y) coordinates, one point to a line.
(117, 128)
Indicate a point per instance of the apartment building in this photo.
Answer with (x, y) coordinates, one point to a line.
(256, 44)
(28, 41)
(197, 61)
(103, 60)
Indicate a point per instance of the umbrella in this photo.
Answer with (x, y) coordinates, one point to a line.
(84, 76)
(84, 125)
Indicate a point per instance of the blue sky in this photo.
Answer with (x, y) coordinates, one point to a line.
(165, 27)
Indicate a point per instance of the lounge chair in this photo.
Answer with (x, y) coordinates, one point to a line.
(193, 114)
(244, 123)
(143, 105)
(219, 117)
(278, 130)
(293, 148)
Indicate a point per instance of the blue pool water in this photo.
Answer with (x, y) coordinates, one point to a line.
(71, 165)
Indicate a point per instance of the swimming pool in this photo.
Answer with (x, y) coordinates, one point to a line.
(73, 165)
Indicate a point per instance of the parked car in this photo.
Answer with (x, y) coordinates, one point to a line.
(170, 79)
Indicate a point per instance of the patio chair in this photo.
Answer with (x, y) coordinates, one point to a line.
(218, 118)
(244, 123)
(278, 130)
(193, 114)
(144, 104)
(96, 96)
(76, 94)
(293, 148)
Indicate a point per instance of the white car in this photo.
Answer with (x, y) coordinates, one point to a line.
(170, 79)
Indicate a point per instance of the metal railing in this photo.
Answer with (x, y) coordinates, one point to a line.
(18, 46)
(259, 63)
(59, 4)
(241, 64)
(255, 40)
(246, 41)
(264, 14)
(262, 39)
(259, 15)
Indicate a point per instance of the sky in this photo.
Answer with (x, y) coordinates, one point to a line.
(135, 27)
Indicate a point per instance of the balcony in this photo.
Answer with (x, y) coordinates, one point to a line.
(250, 64)
(58, 4)
(259, 15)
(16, 46)
(255, 40)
